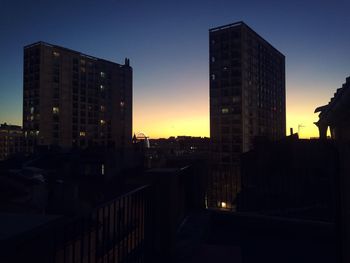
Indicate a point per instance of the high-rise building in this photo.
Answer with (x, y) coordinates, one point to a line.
(247, 99)
(72, 99)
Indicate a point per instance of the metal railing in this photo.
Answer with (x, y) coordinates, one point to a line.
(116, 231)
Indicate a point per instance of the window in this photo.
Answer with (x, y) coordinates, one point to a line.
(56, 54)
(103, 122)
(102, 74)
(224, 110)
(212, 76)
(102, 87)
(55, 110)
(102, 169)
(82, 134)
(102, 108)
(122, 104)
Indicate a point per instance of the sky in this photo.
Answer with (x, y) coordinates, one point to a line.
(167, 43)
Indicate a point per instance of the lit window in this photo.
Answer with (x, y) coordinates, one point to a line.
(102, 87)
(223, 204)
(102, 74)
(224, 110)
(31, 110)
(31, 117)
(55, 110)
(82, 134)
(122, 104)
(56, 54)
(102, 169)
(37, 133)
(102, 108)
(213, 76)
(102, 122)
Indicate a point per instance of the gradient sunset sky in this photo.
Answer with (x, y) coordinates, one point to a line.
(167, 43)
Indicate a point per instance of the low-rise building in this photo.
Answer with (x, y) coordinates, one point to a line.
(11, 140)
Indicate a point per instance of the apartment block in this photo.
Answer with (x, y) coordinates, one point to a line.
(247, 98)
(71, 99)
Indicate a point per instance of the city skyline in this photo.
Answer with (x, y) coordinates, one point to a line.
(169, 53)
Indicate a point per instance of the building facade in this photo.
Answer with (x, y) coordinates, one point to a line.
(247, 98)
(11, 140)
(72, 99)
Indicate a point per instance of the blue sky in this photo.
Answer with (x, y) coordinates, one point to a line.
(167, 43)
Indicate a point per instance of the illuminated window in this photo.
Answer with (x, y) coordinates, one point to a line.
(224, 110)
(102, 87)
(82, 134)
(102, 169)
(31, 110)
(122, 104)
(102, 122)
(213, 76)
(102, 108)
(223, 204)
(56, 54)
(31, 117)
(102, 74)
(55, 110)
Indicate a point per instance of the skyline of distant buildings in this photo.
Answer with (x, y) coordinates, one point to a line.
(76, 95)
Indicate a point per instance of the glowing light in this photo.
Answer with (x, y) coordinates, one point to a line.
(102, 169)
(55, 110)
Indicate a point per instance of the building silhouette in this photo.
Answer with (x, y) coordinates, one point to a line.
(247, 100)
(334, 115)
(72, 99)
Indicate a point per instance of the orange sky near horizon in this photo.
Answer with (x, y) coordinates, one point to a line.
(190, 116)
